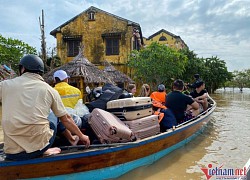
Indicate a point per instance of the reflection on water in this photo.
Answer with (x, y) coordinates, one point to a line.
(225, 142)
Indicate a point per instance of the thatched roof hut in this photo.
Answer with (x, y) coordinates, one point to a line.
(116, 75)
(82, 73)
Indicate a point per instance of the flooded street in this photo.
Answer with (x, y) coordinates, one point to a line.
(225, 141)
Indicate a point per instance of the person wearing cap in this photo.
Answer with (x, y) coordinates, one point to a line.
(69, 94)
(26, 104)
(200, 95)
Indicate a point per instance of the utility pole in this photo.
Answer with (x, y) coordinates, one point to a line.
(43, 43)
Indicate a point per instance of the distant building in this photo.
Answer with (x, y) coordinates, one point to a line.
(167, 38)
(105, 37)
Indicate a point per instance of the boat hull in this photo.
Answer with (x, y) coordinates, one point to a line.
(106, 162)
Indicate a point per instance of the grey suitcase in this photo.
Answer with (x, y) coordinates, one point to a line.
(144, 127)
(131, 108)
(109, 128)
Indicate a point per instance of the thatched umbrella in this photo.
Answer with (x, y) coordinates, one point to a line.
(116, 75)
(81, 72)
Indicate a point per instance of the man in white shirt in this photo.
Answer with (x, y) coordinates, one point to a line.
(26, 104)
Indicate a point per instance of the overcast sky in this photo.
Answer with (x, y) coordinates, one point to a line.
(209, 27)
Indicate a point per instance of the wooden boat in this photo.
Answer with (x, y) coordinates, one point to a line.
(105, 161)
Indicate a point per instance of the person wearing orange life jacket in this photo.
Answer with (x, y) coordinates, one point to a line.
(69, 94)
(158, 101)
(159, 97)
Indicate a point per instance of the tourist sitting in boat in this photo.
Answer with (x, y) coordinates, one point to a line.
(145, 90)
(159, 97)
(200, 95)
(131, 89)
(69, 94)
(158, 101)
(178, 102)
(26, 104)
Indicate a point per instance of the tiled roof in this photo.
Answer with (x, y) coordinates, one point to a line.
(92, 8)
(163, 31)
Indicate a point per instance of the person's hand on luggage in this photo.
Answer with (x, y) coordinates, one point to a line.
(85, 140)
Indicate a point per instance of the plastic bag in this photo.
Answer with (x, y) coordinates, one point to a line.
(75, 117)
(81, 109)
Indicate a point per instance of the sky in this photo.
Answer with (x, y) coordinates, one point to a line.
(209, 27)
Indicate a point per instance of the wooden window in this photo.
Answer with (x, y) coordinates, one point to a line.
(73, 48)
(112, 46)
(91, 16)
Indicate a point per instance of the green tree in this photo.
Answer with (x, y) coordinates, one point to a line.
(157, 64)
(215, 73)
(241, 79)
(12, 50)
(194, 66)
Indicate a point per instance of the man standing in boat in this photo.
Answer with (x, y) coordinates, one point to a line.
(26, 104)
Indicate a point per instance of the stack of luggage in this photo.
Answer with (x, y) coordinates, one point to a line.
(115, 120)
(136, 113)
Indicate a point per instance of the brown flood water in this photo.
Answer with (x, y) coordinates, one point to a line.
(225, 141)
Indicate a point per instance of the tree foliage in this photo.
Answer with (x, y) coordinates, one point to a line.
(215, 73)
(12, 50)
(194, 65)
(157, 64)
(241, 79)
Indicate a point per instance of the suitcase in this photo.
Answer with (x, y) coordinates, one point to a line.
(144, 127)
(109, 128)
(147, 132)
(131, 108)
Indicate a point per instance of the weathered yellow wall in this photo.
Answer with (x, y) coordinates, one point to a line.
(171, 41)
(94, 44)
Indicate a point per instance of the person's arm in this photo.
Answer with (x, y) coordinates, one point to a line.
(201, 98)
(69, 124)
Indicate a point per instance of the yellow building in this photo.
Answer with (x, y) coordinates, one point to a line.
(167, 38)
(104, 36)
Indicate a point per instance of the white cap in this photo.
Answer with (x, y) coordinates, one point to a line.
(61, 74)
